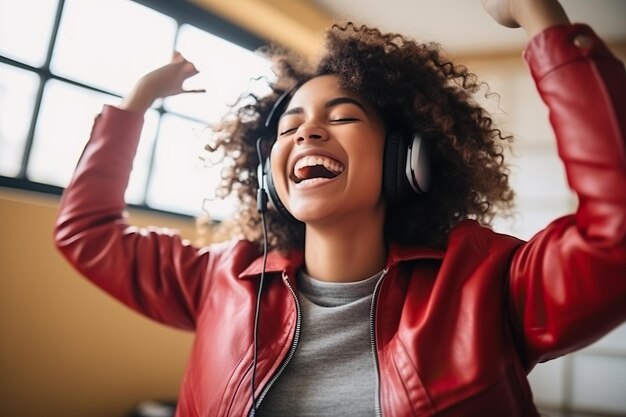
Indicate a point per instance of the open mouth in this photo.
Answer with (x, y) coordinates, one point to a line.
(315, 166)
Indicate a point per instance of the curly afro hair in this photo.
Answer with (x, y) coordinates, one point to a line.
(410, 84)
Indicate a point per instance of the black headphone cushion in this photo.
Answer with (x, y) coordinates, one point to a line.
(273, 194)
(395, 185)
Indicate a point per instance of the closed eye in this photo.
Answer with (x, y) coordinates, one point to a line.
(345, 120)
(287, 131)
(338, 120)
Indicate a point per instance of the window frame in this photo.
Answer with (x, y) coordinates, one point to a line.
(182, 12)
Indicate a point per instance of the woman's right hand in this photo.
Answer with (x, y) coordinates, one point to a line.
(160, 83)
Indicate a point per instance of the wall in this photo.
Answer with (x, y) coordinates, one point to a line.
(66, 348)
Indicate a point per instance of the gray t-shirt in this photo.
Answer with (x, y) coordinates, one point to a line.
(332, 372)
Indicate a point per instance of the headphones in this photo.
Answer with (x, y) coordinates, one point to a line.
(406, 170)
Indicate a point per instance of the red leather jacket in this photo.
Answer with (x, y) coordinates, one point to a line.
(455, 332)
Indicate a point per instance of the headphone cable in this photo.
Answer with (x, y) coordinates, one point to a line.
(262, 198)
(262, 207)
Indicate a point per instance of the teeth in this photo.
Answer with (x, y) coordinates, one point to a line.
(313, 160)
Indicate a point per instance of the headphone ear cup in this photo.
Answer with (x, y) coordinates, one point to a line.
(417, 168)
(406, 172)
(273, 194)
(395, 184)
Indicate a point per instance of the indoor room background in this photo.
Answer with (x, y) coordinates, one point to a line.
(67, 349)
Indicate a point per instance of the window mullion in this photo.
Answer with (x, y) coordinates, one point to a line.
(161, 110)
(152, 157)
(44, 76)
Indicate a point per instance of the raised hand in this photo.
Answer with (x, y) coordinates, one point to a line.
(533, 15)
(502, 11)
(162, 82)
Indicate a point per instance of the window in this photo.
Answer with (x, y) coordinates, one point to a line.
(18, 91)
(62, 60)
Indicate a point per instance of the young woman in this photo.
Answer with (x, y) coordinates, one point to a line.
(385, 292)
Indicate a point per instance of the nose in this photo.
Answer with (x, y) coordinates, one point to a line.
(310, 131)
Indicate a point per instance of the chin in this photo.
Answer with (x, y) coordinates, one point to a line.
(307, 216)
(307, 213)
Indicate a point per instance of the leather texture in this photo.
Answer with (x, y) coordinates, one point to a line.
(456, 331)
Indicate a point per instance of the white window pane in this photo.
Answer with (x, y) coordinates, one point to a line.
(615, 341)
(225, 69)
(180, 180)
(531, 216)
(65, 120)
(538, 172)
(25, 28)
(547, 383)
(529, 115)
(110, 44)
(136, 191)
(599, 384)
(542, 193)
(18, 89)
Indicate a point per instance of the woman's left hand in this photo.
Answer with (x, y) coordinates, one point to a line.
(533, 15)
(502, 11)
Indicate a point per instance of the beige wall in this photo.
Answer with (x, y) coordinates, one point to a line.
(66, 348)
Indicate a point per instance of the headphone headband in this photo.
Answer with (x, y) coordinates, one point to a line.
(279, 107)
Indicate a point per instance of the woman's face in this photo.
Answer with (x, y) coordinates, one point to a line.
(328, 157)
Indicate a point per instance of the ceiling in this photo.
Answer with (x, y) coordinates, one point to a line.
(462, 26)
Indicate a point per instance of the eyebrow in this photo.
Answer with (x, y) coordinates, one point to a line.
(330, 103)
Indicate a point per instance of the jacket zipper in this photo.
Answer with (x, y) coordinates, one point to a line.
(294, 345)
(377, 408)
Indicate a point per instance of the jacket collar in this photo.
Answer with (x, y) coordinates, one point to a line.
(276, 262)
(293, 260)
(400, 253)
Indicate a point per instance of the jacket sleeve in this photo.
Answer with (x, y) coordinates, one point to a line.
(152, 271)
(568, 283)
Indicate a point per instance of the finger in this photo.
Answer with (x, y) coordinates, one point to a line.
(177, 57)
(190, 69)
(190, 66)
(195, 90)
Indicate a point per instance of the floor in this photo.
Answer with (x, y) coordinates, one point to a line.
(557, 413)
